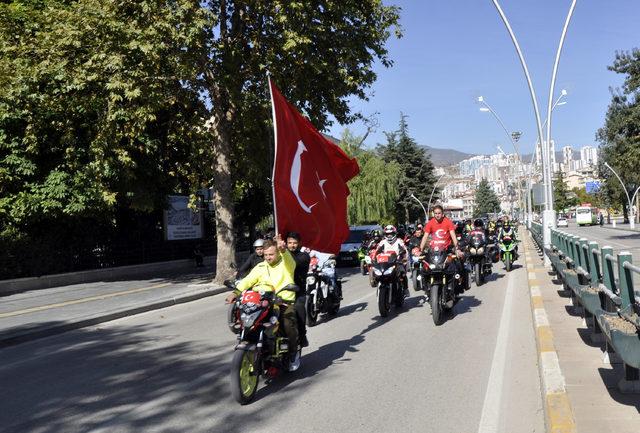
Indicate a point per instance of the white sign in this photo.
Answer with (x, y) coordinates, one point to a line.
(180, 221)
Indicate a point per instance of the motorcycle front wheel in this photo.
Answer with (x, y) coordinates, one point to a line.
(436, 306)
(477, 274)
(363, 268)
(384, 303)
(507, 262)
(244, 378)
(414, 280)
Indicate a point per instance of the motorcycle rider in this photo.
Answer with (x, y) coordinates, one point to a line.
(443, 234)
(416, 238)
(302, 260)
(254, 258)
(392, 244)
(508, 230)
(276, 271)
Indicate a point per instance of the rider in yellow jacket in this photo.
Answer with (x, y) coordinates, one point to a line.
(276, 272)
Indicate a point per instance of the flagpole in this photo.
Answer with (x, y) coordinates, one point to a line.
(275, 155)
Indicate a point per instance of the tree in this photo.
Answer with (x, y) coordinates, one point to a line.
(486, 200)
(561, 200)
(416, 171)
(374, 192)
(321, 53)
(620, 135)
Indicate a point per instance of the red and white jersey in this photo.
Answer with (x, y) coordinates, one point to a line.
(397, 247)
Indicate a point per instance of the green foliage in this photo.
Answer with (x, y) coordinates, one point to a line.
(416, 172)
(620, 135)
(486, 200)
(561, 199)
(374, 191)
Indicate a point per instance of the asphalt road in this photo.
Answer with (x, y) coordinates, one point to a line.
(167, 371)
(620, 240)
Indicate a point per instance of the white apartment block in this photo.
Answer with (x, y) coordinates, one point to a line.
(589, 155)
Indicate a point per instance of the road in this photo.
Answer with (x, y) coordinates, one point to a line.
(620, 240)
(167, 371)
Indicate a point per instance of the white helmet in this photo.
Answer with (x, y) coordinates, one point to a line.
(390, 233)
(259, 243)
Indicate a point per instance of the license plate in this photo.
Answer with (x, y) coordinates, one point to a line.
(347, 258)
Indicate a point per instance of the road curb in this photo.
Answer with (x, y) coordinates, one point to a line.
(559, 416)
(43, 331)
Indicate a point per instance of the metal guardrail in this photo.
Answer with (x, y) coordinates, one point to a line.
(603, 284)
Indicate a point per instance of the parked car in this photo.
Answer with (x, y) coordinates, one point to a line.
(562, 222)
(349, 249)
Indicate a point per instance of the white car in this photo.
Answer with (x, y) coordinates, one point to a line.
(562, 222)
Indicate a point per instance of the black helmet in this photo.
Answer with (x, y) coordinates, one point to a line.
(478, 223)
(460, 227)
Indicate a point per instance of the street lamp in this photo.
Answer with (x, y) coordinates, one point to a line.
(513, 138)
(426, 217)
(548, 217)
(432, 191)
(632, 219)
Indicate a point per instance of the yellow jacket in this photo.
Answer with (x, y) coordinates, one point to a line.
(277, 276)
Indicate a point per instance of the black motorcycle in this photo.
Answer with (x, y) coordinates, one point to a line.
(478, 257)
(390, 286)
(322, 297)
(416, 264)
(440, 281)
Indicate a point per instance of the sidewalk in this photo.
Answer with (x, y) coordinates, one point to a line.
(591, 385)
(41, 313)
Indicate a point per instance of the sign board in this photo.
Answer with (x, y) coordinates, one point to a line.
(593, 186)
(538, 194)
(180, 221)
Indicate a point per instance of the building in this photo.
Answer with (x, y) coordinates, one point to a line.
(469, 166)
(589, 155)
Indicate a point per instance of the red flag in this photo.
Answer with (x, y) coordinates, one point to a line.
(310, 176)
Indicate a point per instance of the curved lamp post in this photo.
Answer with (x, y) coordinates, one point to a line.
(632, 217)
(548, 218)
(426, 217)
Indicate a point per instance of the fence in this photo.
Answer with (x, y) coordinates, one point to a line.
(602, 286)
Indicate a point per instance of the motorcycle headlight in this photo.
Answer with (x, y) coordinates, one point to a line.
(432, 266)
(480, 250)
(249, 318)
(389, 271)
(377, 271)
(311, 280)
(472, 250)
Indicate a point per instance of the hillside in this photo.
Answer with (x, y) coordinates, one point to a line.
(446, 157)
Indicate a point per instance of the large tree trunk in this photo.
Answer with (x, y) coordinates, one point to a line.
(222, 198)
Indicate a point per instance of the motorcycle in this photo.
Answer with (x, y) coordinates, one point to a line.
(416, 260)
(440, 282)
(262, 348)
(507, 251)
(390, 289)
(478, 251)
(322, 298)
(362, 258)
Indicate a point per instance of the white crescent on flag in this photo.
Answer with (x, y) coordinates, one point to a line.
(296, 170)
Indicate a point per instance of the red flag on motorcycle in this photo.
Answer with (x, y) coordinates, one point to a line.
(310, 176)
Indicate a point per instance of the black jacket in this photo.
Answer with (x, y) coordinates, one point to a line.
(249, 264)
(302, 269)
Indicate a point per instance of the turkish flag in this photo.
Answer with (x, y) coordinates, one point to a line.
(310, 176)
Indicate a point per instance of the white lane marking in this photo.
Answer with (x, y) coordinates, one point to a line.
(535, 291)
(490, 418)
(541, 317)
(552, 375)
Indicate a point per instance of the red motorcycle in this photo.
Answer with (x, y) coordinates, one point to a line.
(262, 349)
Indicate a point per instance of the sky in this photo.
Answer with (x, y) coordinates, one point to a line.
(454, 51)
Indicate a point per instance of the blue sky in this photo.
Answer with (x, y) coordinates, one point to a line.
(454, 51)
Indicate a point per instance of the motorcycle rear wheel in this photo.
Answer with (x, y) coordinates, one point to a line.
(231, 318)
(244, 378)
(436, 306)
(384, 303)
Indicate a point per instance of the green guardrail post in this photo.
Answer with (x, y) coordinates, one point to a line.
(584, 254)
(626, 280)
(608, 276)
(594, 264)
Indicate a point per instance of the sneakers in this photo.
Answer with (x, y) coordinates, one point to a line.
(295, 362)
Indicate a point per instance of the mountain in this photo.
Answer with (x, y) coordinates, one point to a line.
(446, 157)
